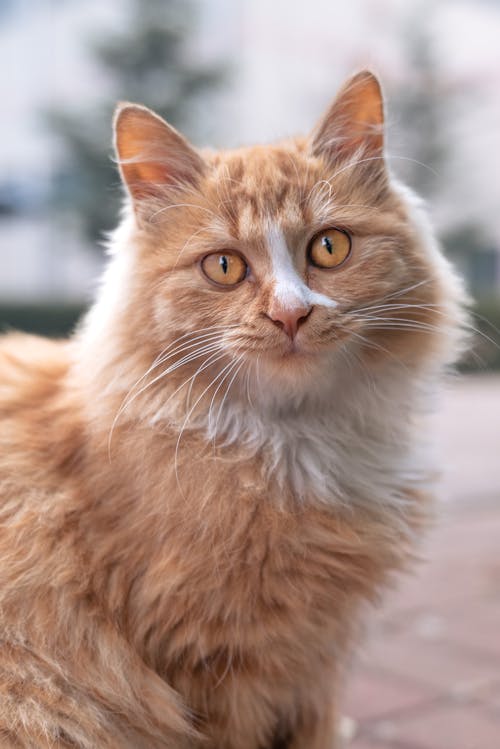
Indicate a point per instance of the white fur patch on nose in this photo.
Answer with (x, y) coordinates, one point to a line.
(290, 291)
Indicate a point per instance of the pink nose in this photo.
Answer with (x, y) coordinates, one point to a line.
(289, 319)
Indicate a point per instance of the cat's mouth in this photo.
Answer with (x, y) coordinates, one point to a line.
(303, 347)
(289, 349)
(293, 350)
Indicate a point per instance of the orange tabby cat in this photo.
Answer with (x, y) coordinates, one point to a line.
(202, 489)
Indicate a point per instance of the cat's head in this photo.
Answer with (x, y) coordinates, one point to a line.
(280, 260)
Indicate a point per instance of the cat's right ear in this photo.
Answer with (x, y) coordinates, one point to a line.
(151, 154)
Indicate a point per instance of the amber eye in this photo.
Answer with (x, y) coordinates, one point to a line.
(330, 248)
(225, 268)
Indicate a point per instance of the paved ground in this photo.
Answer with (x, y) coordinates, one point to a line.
(429, 674)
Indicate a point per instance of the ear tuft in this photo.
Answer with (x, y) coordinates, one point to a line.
(354, 121)
(151, 154)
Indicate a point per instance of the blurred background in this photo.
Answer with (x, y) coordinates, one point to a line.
(228, 72)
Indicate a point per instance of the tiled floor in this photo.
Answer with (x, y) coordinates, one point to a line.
(429, 674)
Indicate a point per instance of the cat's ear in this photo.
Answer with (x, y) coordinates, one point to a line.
(151, 154)
(354, 122)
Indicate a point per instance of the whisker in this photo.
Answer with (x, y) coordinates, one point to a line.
(352, 164)
(188, 397)
(485, 320)
(238, 368)
(212, 359)
(419, 325)
(198, 347)
(402, 326)
(400, 292)
(249, 398)
(257, 372)
(321, 183)
(228, 373)
(159, 360)
(206, 331)
(391, 307)
(181, 205)
(349, 352)
(367, 343)
(129, 399)
(425, 325)
(404, 320)
(414, 161)
(162, 357)
(189, 347)
(188, 416)
(195, 234)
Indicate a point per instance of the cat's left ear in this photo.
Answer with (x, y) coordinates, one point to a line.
(354, 122)
(151, 154)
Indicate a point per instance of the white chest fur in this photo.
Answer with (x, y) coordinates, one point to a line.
(362, 446)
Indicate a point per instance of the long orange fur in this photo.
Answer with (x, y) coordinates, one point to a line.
(193, 516)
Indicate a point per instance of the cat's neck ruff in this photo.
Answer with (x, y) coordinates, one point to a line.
(351, 448)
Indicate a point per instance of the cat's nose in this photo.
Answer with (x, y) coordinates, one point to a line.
(289, 318)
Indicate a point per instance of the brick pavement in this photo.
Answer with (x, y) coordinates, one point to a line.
(428, 676)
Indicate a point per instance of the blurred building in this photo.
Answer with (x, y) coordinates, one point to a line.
(287, 61)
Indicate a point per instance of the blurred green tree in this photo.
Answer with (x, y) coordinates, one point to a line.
(150, 62)
(422, 104)
(425, 107)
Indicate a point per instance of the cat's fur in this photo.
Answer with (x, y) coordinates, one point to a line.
(185, 556)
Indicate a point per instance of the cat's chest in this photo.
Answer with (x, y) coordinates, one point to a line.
(319, 457)
(291, 454)
(261, 576)
(269, 533)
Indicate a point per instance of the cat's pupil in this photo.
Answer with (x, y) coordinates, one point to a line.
(327, 244)
(223, 263)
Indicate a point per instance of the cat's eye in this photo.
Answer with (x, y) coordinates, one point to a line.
(224, 268)
(330, 248)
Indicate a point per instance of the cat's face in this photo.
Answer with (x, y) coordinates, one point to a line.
(284, 257)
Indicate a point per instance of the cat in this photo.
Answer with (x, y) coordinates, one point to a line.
(205, 487)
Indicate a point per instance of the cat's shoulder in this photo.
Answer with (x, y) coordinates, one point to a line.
(30, 367)
(40, 423)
